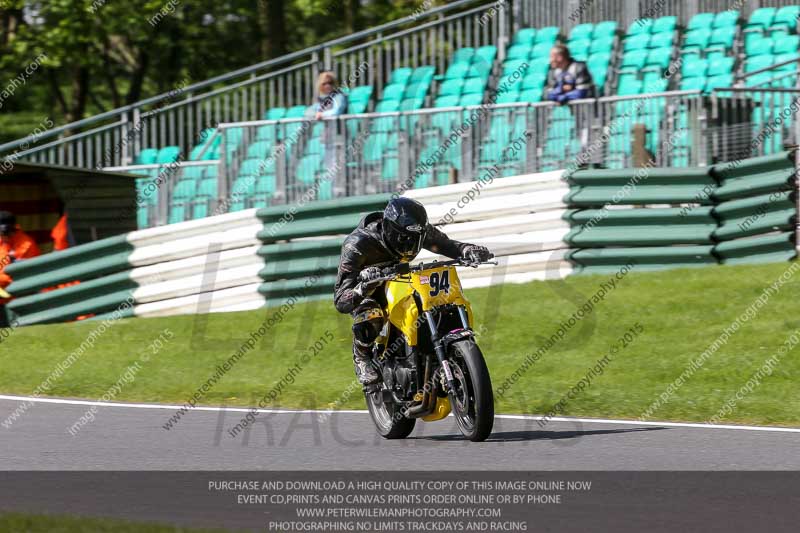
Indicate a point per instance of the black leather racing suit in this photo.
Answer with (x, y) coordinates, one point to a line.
(364, 247)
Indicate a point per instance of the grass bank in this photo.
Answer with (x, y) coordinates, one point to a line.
(656, 325)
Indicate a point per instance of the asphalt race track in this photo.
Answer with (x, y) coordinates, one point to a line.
(133, 438)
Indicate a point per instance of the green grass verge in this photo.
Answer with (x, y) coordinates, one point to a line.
(25, 523)
(681, 312)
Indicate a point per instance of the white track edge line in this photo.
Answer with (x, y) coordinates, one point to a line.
(65, 401)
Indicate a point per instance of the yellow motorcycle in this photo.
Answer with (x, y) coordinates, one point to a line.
(427, 356)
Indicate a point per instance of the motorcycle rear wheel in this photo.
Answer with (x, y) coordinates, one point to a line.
(388, 420)
(473, 401)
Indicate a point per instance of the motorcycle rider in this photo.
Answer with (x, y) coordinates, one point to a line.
(393, 236)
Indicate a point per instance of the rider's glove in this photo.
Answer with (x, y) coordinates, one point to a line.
(476, 254)
(370, 274)
(369, 281)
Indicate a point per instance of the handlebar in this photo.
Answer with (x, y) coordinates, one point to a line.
(391, 272)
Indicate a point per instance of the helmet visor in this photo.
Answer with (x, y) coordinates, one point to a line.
(405, 242)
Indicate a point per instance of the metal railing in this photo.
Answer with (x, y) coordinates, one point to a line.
(779, 76)
(259, 163)
(115, 137)
(748, 122)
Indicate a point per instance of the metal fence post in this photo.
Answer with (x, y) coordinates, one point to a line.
(137, 128)
(502, 32)
(339, 177)
(516, 16)
(163, 178)
(797, 183)
(701, 143)
(125, 140)
(692, 8)
(631, 13)
(572, 6)
(222, 175)
(281, 189)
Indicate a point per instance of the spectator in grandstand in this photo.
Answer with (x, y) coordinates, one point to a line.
(331, 101)
(15, 244)
(568, 79)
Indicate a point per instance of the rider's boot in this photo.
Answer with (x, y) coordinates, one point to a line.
(362, 361)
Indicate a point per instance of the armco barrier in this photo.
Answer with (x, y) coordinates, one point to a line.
(539, 226)
(304, 242)
(519, 218)
(756, 208)
(736, 212)
(639, 186)
(613, 227)
(161, 269)
(253, 258)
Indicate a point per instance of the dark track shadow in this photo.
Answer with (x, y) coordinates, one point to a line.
(520, 436)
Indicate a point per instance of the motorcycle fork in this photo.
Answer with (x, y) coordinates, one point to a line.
(441, 355)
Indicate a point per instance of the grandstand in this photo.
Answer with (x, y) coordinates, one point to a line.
(441, 97)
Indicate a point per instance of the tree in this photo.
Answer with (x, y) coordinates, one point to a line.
(102, 54)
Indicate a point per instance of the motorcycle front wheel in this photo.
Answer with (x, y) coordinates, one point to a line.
(389, 421)
(472, 401)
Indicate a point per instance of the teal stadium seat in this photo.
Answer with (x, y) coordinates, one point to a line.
(658, 59)
(547, 35)
(275, 113)
(183, 190)
(518, 51)
(471, 99)
(693, 66)
(696, 40)
(358, 99)
(422, 74)
(701, 21)
(786, 19)
(486, 54)
(757, 45)
(761, 19)
(463, 55)
(473, 86)
(605, 30)
(639, 26)
(786, 44)
(298, 111)
(726, 19)
(720, 66)
(582, 32)
(722, 39)
(168, 154)
(525, 36)
(451, 87)
(662, 40)
(602, 44)
(400, 75)
(580, 49)
(147, 157)
(640, 41)
(664, 24)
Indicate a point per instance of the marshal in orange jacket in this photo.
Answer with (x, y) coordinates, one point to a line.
(18, 245)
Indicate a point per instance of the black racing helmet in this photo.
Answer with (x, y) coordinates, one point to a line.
(7, 223)
(404, 224)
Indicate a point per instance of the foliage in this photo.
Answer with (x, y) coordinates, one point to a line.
(101, 54)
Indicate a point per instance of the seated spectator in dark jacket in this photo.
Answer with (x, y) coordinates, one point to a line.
(568, 79)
